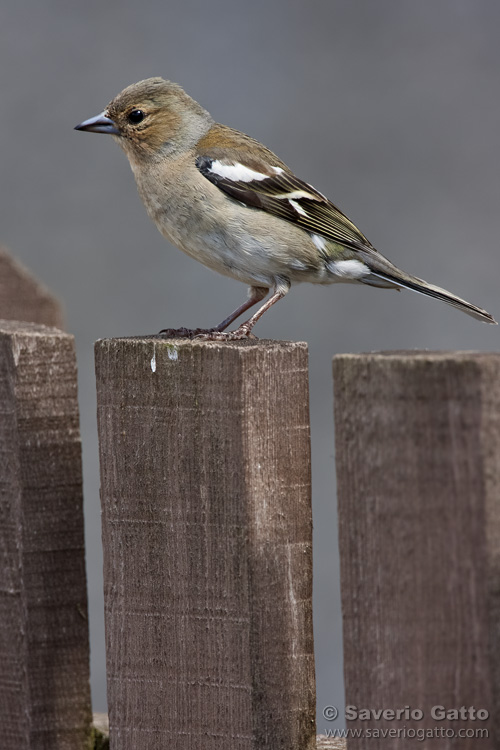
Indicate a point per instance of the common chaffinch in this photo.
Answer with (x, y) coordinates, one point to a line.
(227, 201)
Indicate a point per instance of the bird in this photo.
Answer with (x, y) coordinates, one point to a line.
(232, 204)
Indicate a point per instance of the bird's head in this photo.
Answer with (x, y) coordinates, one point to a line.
(151, 119)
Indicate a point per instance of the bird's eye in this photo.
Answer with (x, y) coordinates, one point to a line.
(136, 116)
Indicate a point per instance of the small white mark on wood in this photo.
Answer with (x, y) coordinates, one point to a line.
(172, 352)
(16, 350)
(153, 360)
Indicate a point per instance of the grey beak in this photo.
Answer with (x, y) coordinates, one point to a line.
(99, 124)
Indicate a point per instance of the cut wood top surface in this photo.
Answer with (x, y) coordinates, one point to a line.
(326, 743)
(187, 342)
(417, 355)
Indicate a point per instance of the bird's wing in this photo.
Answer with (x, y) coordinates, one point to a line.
(254, 176)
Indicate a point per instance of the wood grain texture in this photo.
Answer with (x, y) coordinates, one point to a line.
(328, 743)
(22, 297)
(418, 466)
(206, 497)
(44, 648)
(101, 723)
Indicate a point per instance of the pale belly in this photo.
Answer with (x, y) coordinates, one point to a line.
(234, 240)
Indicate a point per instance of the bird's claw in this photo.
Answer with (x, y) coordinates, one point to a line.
(185, 333)
(239, 334)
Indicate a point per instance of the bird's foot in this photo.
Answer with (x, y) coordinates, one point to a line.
(186, 333)
(243, 332)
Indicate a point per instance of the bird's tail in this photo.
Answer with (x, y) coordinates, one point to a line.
(401, 280)
(383, 273)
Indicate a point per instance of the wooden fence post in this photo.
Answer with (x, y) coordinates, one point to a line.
(205, 485)
(22, 297)
(44, 652)
(418, 465)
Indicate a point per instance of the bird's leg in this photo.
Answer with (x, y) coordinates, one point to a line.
(281, 288)
(256, 293)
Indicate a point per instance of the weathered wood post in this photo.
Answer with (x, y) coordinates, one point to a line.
(22, 297)
(418, 465)
(44, 651)
(205, 485)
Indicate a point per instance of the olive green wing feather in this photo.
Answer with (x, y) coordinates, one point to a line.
(255, 177)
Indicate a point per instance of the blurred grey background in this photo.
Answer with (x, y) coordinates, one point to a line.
(391, 108)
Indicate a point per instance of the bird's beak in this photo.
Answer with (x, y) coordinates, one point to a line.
(99, 124)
